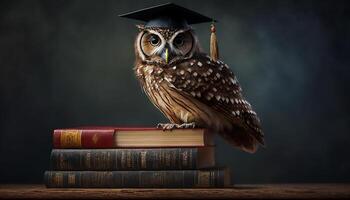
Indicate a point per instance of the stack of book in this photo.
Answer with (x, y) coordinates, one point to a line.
(134, 157)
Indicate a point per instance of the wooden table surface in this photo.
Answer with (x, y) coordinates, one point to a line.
(275, 191)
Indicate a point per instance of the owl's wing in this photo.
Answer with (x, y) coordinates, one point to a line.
(214, 84)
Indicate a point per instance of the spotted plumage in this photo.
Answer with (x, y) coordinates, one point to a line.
(191, 88)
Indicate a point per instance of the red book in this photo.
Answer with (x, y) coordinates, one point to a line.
(122, 137)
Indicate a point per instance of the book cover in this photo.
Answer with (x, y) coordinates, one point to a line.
(136, 179)
(133, 159)
(113, 137)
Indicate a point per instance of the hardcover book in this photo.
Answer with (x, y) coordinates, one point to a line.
(114, 137)
(137, 179)
(133, 159)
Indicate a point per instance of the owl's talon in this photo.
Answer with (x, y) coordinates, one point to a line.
(187, 125)
(170, 126)
(165, 126)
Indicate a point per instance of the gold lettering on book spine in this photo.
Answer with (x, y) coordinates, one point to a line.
(71, 138)
(203, 178)
(95, 138)
(57, 179)
(129, 160)
(143, 159)
(71, 179)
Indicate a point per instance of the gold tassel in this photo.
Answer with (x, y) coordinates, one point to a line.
(214, 49)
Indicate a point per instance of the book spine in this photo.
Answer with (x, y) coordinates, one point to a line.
(135, 179)
(127, 159)
(75, 138)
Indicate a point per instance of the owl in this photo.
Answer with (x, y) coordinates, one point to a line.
(191, 89)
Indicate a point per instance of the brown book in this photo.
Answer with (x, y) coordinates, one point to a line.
(133, 159)
(135, 179)
(116, 137)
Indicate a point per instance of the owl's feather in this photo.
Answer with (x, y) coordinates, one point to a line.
(206, 92)
(194, 88)
(213, 84)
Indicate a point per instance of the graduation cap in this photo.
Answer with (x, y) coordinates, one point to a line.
(170, 15)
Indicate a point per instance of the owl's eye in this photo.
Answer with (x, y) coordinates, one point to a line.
(154, 40)
(179, 41)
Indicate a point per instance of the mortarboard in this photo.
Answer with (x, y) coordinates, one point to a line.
(170, 15)
(167, 15)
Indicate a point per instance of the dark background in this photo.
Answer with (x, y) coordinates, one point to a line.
(69, 63)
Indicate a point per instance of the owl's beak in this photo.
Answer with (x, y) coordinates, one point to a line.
(165, 55)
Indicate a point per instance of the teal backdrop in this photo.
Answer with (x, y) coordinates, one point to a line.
(69, 63)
